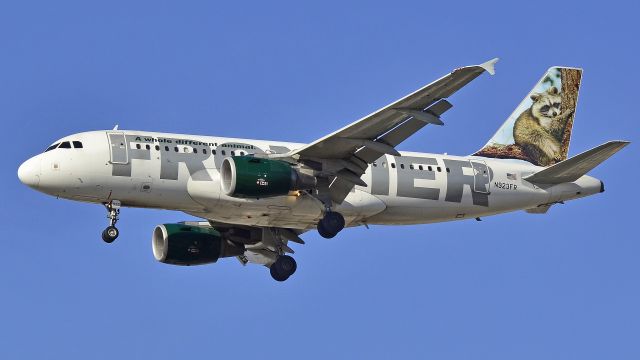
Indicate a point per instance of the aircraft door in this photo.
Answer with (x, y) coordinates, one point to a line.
(118, 148)
(481, 179)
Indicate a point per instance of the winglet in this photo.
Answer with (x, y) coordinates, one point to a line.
(489, 66)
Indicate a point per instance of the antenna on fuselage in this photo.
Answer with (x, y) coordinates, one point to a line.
(115, 127)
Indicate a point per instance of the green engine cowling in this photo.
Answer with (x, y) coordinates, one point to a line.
(180, 244)
(247, 176)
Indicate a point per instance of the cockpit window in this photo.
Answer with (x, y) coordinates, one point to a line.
(77, 144)
(52, 147)
(65, 145)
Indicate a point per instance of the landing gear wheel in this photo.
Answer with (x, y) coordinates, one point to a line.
(287, 264)
(110, 234)
(331, 224)
(275, 274)
(324, 232)
(284, 267)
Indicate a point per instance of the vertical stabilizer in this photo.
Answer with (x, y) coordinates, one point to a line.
(539, 129)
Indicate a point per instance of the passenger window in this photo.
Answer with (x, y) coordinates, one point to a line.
(375, 165)
(223, 152)
(65, 145)
(420, 167)
(157, 147)
(138, 146)
(213, 152)
(241, 153)
(185, 150)
(233, 153)
(393, 165)
(52, 147)
(148, 147)
(204, 151)
(439, 169)
(195, 151)
(175, 148)
(401, 166)
(411, 166)
(77, 144)
(166, 148)
(448, 170)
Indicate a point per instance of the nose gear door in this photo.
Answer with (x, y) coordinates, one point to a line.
(481, 180)
(118, 148)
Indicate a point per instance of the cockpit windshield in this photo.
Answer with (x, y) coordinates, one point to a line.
(65, 145)
(52, 147)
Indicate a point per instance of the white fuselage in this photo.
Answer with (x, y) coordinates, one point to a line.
(180, 172)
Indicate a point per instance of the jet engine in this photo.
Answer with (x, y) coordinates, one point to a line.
(180, 244)
(247, 176)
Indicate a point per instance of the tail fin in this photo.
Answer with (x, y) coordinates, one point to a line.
(539, 129)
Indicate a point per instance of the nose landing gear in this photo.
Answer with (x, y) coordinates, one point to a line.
(111, 232)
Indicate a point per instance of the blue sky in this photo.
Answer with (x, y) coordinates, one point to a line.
(517, 286)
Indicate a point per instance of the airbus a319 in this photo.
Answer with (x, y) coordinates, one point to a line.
(257, 197)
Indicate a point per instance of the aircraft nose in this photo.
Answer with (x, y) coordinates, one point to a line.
(29, 172)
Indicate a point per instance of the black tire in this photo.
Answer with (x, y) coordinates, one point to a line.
(110, 234)
(331, 224)
(340, 220)
(287, 265)
(324, 232)
(283, 268)
(275, 273)
(335, 221)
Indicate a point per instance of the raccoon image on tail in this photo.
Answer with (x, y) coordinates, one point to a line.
(539, 129)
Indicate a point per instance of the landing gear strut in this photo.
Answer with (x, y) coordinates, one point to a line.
(331, 224)
(284, 267)
(111, 232)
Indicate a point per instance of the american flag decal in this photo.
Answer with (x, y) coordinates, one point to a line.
(511, 176)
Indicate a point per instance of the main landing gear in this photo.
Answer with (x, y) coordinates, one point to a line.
(111, 232)
(284, 267)
(331, 224)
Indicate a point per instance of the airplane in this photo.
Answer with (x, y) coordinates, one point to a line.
(256, 197)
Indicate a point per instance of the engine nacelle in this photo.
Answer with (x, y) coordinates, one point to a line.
(179, 244)
(247, 176)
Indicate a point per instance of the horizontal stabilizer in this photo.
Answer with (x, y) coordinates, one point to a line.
(573, 168)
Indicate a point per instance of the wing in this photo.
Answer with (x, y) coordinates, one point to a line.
(346, 153)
